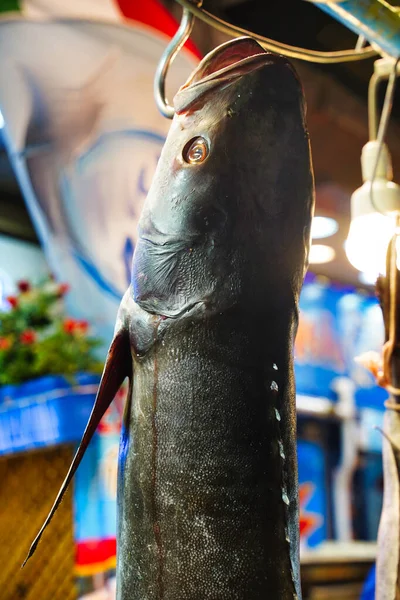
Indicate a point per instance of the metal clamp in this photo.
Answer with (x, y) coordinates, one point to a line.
(383, 70)
(168, 56)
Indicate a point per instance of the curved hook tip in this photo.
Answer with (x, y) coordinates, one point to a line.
(167, 58)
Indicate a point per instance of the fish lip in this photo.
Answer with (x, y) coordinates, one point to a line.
(238, 69)
(246, 55)
(221, 68)
(151, 234)
(169, 241)
(188, 310)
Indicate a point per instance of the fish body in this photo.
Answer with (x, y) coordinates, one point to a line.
(208, 478)
(207, 491)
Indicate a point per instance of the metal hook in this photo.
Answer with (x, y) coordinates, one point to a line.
(168, 56)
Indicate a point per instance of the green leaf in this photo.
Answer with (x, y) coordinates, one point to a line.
(9, 5)
(35, 341)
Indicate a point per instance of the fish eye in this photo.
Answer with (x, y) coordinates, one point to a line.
(195, 151)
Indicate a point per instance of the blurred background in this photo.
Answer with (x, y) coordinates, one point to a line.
(80, 137)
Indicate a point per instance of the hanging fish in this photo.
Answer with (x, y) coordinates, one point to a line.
(207, 492)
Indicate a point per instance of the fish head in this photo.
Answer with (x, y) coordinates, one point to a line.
(230, 203)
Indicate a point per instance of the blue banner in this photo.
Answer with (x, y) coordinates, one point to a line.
(45, 412)
(336, 325)
(312, 494)
(95, 496)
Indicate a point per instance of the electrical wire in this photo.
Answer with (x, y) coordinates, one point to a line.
(388, 103)
(374, 82)
(279, 47)
(360, 43)
(383, 125)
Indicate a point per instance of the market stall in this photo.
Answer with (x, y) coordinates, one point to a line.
(80, 126)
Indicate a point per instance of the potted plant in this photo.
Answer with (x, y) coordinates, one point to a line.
(48, 370)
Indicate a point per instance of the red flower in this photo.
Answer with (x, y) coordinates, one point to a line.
(74, 326)
(63, 289)
(13, 300)
(83, 326)
(69, 325)
(24, 286)
(28, 337)
(5, 343)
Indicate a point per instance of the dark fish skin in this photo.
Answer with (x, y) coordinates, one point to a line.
(208, 476)
(207, 488)
(207, 492)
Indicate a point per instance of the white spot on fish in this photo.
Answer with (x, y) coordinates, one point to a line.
(281, 450)
(275, 367)
(285, 497)
(277, 415)
(274, 386)
(138, 411)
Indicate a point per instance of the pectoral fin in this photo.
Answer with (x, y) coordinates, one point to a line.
(118, 366)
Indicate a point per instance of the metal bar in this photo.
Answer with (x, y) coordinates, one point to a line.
(376, 20)
(275, 46)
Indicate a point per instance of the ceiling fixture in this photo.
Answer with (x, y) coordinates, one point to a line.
(323, 227)
(320, 254)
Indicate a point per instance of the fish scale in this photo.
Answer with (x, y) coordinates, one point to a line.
(230, 490)
(207, 489)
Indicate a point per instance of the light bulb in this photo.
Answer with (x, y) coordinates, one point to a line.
(368, 240)
(373, 210)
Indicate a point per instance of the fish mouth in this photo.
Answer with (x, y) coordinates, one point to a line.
(222, 66)
(236, 57)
